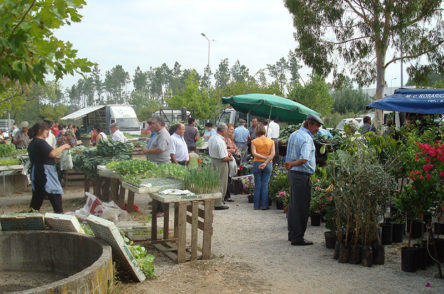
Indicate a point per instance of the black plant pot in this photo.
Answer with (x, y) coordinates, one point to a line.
(367, 256)
(378, 254)
(438, 228)
(440, 249)
(355, 254)
(337, 246)
(421, 258)
(250, 198)
(279, 204)
(344, 253)
(397, 233)
(417, 228)
(330, 239)
(386, 234)
(409, 261)
(315, 219)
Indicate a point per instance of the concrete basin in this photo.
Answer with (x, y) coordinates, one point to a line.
(53, 262)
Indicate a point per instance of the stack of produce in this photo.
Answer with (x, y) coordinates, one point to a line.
(202, 180)
(87, 159)
(135, 170)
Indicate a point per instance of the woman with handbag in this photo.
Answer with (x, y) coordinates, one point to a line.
(263, 151)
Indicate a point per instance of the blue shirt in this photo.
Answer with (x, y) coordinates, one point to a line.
(301, 146)
(209, 134)
(150, 141)
(241, 134)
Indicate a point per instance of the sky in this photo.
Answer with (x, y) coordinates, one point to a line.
(148, 33)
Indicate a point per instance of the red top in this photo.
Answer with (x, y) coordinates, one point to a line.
(55, 130)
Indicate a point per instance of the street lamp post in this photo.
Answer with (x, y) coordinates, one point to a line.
(205, 36)
(391, 83)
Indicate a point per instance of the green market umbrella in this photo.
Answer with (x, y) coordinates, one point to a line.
(271, 106)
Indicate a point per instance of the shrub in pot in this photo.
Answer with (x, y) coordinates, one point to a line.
(360, 195)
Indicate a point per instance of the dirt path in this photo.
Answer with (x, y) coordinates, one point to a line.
(252, 255)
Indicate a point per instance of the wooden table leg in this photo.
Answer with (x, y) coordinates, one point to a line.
(97, 187)
(121, 198)
(166, 220)
(176, 218)
(194, 220)
(208, 229)
(130, 203)
(86, 187)
(182, 231)
(105, 190)
(154, 220)
(114, 189)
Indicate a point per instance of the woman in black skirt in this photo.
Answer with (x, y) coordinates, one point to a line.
(44, 177)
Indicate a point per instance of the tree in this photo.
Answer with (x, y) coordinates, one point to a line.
(195, 98)
(278, 72)
(98, 84)
(29, 50)
(140, 80)
(367, 36)
(222, 75)
(315, 95)
(350, 100)
(239, 72)
(115, 82)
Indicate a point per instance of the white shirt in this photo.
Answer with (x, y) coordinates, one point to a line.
(179, 148)
(104, 136)
(273, 130)
(119, 136)
(217, 147)
(51, 140)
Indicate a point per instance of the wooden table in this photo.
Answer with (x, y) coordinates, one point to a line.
(108, 186)
(149, 186)
(196, 210)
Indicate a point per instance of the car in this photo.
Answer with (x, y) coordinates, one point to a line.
(358, 122)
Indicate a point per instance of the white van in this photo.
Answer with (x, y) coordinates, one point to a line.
(105, 115)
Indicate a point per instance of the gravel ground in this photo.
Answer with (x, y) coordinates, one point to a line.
(251, 254)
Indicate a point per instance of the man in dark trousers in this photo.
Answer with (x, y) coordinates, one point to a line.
(191, 133)
(301, 164)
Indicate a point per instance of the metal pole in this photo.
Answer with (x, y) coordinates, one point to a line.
(205, 36)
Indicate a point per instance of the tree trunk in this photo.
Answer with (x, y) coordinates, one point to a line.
(380, 84)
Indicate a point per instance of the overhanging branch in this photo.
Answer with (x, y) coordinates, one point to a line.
(414, 55)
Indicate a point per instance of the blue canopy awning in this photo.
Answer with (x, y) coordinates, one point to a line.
(428, 101)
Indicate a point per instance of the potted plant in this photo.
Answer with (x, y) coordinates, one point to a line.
(424, 193)
(248, 188)
(278, 183)
(317, 201)
(360, 194)
(284, 197)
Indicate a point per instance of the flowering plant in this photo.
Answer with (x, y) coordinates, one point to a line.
(284, 197)
(248, 185)
(319, 196)
(424, 193)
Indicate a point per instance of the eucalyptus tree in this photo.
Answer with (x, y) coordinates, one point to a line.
(362, 38)
(222, 75)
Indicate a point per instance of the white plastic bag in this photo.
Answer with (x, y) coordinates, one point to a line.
(232, 168)
(66, 160)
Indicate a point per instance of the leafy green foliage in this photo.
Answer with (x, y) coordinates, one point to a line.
(135, 170)
(350, 100)
(278, 183)
(28, 46)
(202, 180)
(8, 162)
(315, 95)
(7, 150)
(144, 260)
(368, 36)
(87, 159)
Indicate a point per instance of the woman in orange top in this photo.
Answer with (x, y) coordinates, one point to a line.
(263, 151)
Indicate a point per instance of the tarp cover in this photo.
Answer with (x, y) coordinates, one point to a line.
(82, 112)
(428, 101)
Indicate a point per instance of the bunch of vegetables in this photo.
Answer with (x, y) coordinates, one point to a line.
(286, 131)
(144, 260)
(7, 150)
(202, 181)
(8, 162)
(86, 159)
(134, 170)
(200, 142)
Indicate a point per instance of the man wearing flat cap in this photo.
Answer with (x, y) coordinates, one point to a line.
(301, 164)
(21, 138)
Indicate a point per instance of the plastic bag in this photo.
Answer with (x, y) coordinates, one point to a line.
(66, 160)
(232, 168)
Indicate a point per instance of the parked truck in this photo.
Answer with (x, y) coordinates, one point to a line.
(103, 116)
